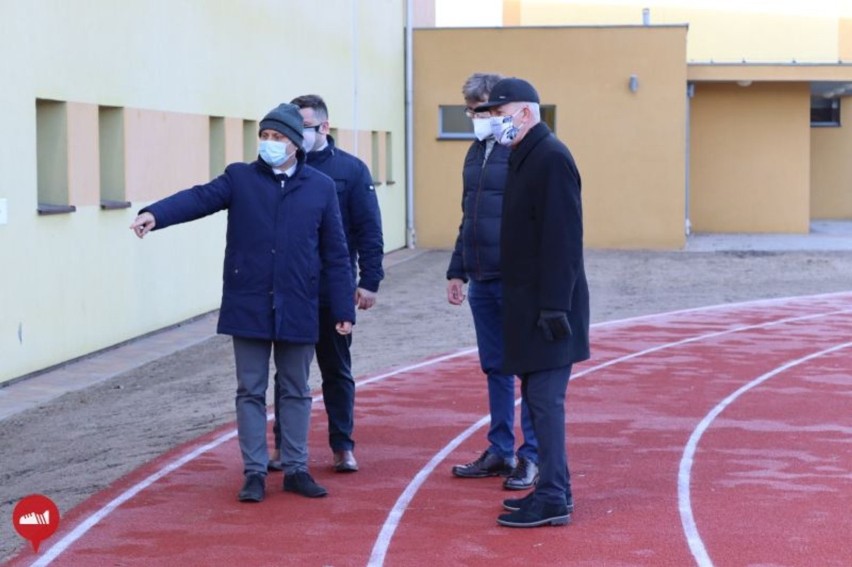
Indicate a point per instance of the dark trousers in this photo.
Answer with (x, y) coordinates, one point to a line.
(486, 304)
(544, 393)
(338, 386)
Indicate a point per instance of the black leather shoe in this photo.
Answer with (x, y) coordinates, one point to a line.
(515, 504)
(254, 488)
(488, 464)
(536, 513)
(303, 483)
(523, 476)
(344, 461)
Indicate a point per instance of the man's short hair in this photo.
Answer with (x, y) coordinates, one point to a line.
(314, 102)
(479, 85)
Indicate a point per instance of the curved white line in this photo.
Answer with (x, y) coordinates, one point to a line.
(693, 538)
(56, 549)
(377, 556)
(383, 540)
(59, 547)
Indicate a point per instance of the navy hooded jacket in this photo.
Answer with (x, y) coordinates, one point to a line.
(281, 234)
(477, 250)
(359, 209)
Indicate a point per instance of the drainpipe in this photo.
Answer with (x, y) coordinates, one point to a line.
(355, 56)
(410, 234)
(690, 92)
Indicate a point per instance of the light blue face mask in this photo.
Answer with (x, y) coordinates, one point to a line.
(274, 153)
(503, 128)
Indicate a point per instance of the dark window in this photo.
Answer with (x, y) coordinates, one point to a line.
(825, 111)
(454, 125)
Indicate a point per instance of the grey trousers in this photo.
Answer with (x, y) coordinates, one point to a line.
(292, 364)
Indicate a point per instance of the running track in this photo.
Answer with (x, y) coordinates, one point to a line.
(718, 436)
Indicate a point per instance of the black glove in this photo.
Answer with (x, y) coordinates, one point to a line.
(554, 325)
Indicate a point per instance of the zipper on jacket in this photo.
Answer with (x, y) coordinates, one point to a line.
(476, 208)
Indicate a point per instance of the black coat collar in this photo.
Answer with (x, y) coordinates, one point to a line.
(536, 134)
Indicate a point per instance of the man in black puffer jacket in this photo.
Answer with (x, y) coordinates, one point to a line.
(476, 260)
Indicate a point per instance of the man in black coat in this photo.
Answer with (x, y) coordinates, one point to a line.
(545, 294)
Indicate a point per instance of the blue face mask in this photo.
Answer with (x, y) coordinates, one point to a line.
(274, 153)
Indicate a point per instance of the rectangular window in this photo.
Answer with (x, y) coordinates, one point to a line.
(389, 159)
(111, 157)
(249, 140)
(825, 112)
(52, 157)
(374, 158)
(453, 124)
(217, 146)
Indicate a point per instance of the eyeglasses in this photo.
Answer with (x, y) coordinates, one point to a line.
(315, 127)
(470, 113)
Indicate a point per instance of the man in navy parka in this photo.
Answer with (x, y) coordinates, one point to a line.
(284, 229)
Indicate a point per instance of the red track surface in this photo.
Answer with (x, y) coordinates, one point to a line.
(720, 436)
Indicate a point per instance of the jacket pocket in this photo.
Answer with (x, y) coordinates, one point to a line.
(233, 271)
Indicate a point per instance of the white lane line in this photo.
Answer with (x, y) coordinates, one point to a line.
(389, 528)
(63, 544)
(380, 548)
(693, 538)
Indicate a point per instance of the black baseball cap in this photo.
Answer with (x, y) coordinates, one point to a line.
(509, 90)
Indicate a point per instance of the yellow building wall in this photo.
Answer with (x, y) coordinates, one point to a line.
(750, 158)
(630, 147)
(717, 32)
(844, 31)
(78, 282)
(831, 168)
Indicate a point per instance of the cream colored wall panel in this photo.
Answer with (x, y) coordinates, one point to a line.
(159, 160)
(346, 139)
(233, 140)
(844, 32)
(750, 158)
(716, 32)
(84, 178)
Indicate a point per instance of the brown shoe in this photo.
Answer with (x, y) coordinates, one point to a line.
(344, 461)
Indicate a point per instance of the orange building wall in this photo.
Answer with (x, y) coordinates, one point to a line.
(630, 147)
(831, 168)
(750, 166)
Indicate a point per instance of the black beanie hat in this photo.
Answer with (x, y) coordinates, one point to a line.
(285, 119)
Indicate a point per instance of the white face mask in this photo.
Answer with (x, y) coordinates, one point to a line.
(274, 153)
(309, 140)
(504, 130)
(482, 128)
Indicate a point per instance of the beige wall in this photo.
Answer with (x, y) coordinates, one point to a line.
(831, 168)
(78, 282)
(844, 31)
(750, 166)
(716, 32)
(630, 147)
